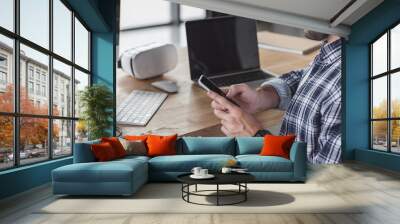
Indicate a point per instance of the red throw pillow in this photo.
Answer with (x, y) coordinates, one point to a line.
(103, 152)
(161, 145)
(116, 145)
(277, 145)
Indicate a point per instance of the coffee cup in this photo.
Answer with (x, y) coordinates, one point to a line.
(196, 171)
(203, 172)
(226, 170)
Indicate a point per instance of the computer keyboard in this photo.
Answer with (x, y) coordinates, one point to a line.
(139, 107)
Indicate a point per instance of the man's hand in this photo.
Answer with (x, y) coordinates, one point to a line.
(234, 120)
(251, 100)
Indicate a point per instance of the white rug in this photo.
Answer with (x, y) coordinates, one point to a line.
(166, 198)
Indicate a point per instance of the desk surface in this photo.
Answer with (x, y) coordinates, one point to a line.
(188, 111)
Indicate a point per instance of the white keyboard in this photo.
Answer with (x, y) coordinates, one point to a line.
(139, 107)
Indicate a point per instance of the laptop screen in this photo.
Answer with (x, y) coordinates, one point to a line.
(221, 45)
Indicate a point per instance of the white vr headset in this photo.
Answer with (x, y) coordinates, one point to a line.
(149, 60)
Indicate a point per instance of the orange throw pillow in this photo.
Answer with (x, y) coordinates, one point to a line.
(161, 145)
(136, 137)
(103, 152)
(116, 145)
(277, 145)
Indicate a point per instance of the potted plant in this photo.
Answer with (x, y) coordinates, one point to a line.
(96, 104)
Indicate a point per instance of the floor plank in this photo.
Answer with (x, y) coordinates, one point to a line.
(377, 189)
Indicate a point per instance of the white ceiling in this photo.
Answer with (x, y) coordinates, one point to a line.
(320, 9)
(306, 14)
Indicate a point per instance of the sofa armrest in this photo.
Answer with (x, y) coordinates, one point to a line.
(83, 152)
(298, 155)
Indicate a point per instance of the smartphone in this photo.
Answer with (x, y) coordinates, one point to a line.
(208, 85)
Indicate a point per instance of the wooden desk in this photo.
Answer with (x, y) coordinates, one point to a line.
(188, 111)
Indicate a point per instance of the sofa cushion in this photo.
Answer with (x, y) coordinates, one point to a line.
(133, 158)
(103, 152)
(249, 145)
(277, 145)
(161, 145)
(116, 145)
(83, 152)
(257, 163)
(206, 145)
(134, 147)
(185, 163)
(112, 171)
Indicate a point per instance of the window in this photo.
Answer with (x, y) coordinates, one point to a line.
(385, 95)
(30, 72)
(62, 30)
(6, 142)
(38, 74)
(38, 89)
(81, 45)
(44, 91)
(45, 72)
(6, 75)
(3, 61)
(3, 78)
(62, 74)
(62, 137)
(34, 22)
(143, 14)
(30, 87)
(7, 14)
(81, 81)
(3, 72)
(33, 143)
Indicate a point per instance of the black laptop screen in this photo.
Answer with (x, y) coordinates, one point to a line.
(221, 45)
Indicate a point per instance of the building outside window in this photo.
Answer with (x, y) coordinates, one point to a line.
(30, 72)
(44, 77)
(3, 61)
(43, 90)
(55, 128)
(385, 94)
(3, 72)
(37, 74)
(38, 89)
(30, 87)
(3, 80)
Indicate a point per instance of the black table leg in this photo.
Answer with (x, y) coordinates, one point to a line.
(245, 193)
(217, 194)
(188, 190)
(196, 187)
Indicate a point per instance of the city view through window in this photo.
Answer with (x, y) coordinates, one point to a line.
(39, 114)
(385, 92)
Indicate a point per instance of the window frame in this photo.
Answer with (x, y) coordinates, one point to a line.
(16, 114)
(388, 74)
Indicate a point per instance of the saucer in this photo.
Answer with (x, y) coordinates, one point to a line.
(208, 176)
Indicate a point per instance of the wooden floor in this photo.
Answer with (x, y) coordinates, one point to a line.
(379, 189)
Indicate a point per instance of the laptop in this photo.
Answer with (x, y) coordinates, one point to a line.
(225, 49)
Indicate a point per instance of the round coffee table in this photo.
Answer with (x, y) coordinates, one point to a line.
(238, 179)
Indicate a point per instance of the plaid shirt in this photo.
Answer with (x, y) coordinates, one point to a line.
(312, 100)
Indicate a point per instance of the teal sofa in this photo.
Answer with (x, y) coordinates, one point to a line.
(125, 176)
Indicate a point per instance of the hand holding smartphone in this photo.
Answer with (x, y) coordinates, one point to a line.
(208, 85)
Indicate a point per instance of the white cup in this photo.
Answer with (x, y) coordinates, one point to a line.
(196, 171)
(226, 170)
(203, 172)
